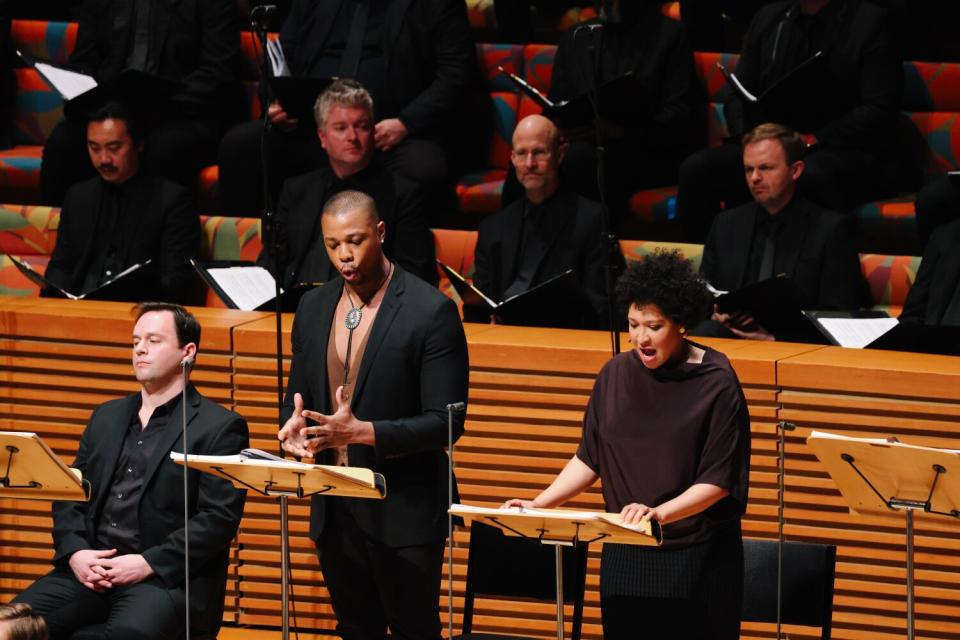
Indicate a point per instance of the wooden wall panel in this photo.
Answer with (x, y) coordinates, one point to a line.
(527, 395)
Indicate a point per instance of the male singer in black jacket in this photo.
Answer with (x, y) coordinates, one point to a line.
(119, 558)
(378, 356)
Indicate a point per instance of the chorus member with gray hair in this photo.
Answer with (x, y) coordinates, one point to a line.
(345, 128)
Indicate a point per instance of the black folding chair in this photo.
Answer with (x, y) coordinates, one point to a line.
(517, 568)
(808, 572)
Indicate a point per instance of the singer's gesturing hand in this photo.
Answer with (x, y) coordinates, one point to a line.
(338, 429)
(291, 436)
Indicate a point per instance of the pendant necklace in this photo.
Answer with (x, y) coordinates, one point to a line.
(352, 320)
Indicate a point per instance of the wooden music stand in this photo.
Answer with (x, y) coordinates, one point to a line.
(283, 479)
(34, 472)
(562, 528)
(881, 477)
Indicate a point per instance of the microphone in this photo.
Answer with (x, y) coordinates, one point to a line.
(187, 363)
(456, 406)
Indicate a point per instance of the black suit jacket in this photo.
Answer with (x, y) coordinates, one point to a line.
(197, 42)
(415, 363)
(161, 224)
(408, 239)
(573, 236)
(937, 279)
(429, 54)
(814, 247)
(215, 506)
(860, 105)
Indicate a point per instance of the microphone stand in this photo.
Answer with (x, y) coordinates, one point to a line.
(258, 24)
(608, 237)
(782, 428)
(451, 409)
(185, 366)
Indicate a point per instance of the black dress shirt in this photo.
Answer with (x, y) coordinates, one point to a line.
(119, 524)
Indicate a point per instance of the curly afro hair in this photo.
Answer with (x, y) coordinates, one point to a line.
(666, 279)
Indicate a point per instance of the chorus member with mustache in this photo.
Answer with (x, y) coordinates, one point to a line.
(124, 217)
(119, 558)
(780, 232)
(667, 432)
(378, 354)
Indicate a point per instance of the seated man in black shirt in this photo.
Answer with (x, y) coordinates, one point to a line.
(414, 56)
(780, 233)
(934, 298)
(345, 128)
(119, 558)
(847, 108)
(122, 218)
(541, 235)
(193, 42)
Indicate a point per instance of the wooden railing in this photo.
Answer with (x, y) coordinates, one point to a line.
(528, 390)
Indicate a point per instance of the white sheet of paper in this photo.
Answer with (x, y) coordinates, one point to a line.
(248, 287)
(857, 332)
(70, 84)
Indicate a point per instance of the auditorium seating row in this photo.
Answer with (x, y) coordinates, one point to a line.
(528, 391)
(931, 105)
(30, 232)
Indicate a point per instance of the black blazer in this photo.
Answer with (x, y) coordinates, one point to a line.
(937, 279)
(573, 237)
(198, 43)
(215, 506)
(162, 224)
(860, 107)
(428, 48)
(815, 248)
(415, 364)
(400, 205)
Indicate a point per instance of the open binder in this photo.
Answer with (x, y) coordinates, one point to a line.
(877, 330)
(558, 302)
(82, 93)
(777, 304)
(122, 286)
(621, 100)
(248, 286)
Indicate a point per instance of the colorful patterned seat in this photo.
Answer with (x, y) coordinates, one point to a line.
(890, 278)
(454, 248)
(478, 192)
(638, 249)
(29, 233)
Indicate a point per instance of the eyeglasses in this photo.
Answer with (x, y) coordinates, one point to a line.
(536, 154)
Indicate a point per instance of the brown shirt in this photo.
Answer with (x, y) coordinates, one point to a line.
(337, 349)
(651, 434)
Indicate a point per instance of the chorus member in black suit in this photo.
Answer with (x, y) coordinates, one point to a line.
(644, 142)
(549, 230)
(122, 218)
(668, 434)
(934, 298)
(119, 558)
(780, 233)
(195, 42)
(849, 121)
(377, 357)
(415, 57)
(344, 115)
(938, 203)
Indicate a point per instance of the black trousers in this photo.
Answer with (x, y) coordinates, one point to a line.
(289, 154)
(174, 149)
(837, 179)
(145, 611)
(374, 587)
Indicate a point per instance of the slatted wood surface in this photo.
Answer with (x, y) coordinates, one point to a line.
(527, 394)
